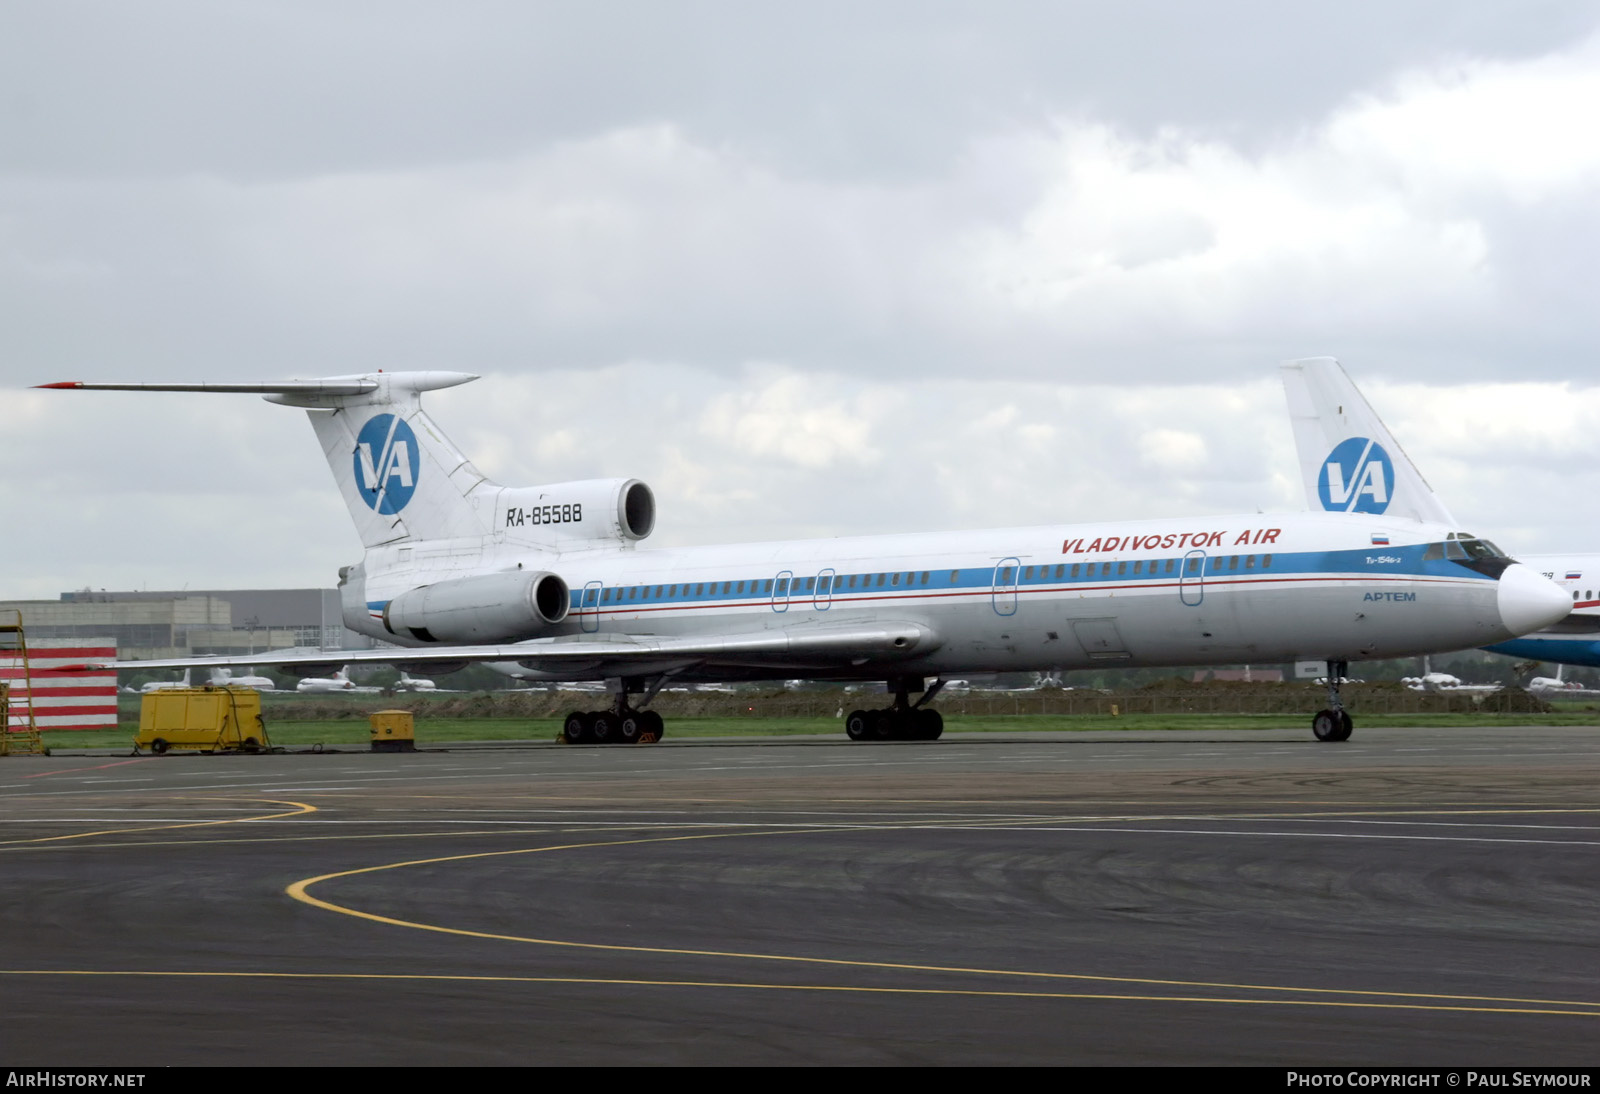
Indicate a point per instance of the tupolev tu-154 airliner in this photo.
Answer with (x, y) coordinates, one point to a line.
(551, 582)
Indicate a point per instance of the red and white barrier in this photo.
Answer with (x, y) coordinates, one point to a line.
(62, 700)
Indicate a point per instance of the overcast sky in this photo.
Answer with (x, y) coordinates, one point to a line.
(814, 269)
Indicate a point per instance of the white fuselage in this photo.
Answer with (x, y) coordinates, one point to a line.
(1199, 590)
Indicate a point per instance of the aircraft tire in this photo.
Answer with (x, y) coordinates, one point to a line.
(1347, 726)
(1330, 725)
(654, 723)
(882, 724)
(603, 727)
(630, 728)
(930, 725)
(575, 730)
(857, 726)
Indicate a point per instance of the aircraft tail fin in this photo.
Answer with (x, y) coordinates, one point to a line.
(401, 477)
(1349, 462)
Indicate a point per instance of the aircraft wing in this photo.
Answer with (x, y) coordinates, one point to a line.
(593, 656)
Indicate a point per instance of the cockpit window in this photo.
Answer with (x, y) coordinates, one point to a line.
(1479, 555)
(1480, 548)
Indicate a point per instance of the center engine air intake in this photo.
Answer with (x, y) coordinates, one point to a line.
(593, 510)
(504, 607)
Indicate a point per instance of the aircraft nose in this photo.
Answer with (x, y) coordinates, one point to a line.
(1529, 601)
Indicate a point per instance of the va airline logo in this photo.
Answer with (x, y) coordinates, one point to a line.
(386, 463)
(1357, 477)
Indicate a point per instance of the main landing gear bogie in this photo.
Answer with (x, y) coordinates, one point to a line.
(607, 727)
(904, 720)
(894, 724)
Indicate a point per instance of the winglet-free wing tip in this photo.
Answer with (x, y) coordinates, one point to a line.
(62, 384)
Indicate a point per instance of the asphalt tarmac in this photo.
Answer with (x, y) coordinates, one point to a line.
(1413, 896)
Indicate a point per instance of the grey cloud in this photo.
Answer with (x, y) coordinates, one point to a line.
(840, 89)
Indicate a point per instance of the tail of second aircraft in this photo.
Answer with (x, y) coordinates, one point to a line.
(1349, 462)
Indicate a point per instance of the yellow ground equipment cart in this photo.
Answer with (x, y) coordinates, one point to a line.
(392, 731)
(226, 719)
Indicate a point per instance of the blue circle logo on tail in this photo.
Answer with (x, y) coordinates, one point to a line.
(386, 463)
(1356, 477)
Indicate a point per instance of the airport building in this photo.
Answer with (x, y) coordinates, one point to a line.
(192, 622)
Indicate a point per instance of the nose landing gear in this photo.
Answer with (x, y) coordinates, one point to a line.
(1333, 724)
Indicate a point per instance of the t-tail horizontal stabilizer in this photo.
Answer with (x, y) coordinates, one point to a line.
(1349, 462)
(401, 477)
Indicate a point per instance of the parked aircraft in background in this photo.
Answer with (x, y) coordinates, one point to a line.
(1554, 687)
(223, 677)
(1443, 683)
(339, 682)
(409, 683)
(164, 685)
(550, 582)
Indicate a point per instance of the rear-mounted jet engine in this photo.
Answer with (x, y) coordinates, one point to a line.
(504, 607)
